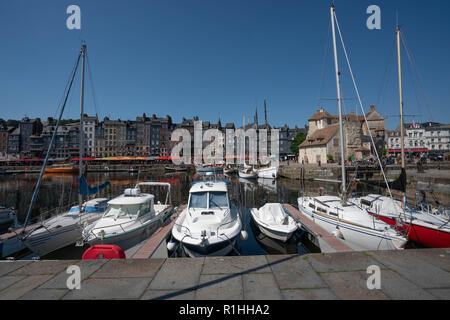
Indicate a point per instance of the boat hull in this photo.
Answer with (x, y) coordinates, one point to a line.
(268, 173)
(68, 170)
(130, 238)
(274, 234)
(281, 235)
(217, 249)
(427, 236)
(51, 239)
(248, 175)
(357, 237)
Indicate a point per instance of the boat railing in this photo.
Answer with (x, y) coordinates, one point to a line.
(161, 184)
(181, 226)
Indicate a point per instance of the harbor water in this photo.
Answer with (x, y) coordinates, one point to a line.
(60, 191)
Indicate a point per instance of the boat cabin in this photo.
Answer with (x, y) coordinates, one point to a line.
(131, 205)
(208, 197)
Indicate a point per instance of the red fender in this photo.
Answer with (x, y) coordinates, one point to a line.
(101, 251)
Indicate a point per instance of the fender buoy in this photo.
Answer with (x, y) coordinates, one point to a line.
(102, 251)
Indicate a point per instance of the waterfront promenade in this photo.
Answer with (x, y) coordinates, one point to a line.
(407, 274)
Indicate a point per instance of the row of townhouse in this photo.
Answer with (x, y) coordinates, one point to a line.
(428, 137)
(144, 136)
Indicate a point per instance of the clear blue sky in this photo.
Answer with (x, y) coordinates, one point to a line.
(220, 58)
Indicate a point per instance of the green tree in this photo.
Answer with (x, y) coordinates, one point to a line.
(297, 141)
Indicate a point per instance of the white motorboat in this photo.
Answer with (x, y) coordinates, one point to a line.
(210, 224)
(351, 223)
(129, 218)
(64, 229)
(274, 222)
(7, 219)
(267, 173)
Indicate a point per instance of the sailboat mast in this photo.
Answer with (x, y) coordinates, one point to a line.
(400, 90)
(81, 171)
(338, 88)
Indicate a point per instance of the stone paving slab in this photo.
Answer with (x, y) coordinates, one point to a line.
(45, 294)
(399, 288)
(49, 267)
(424, 274)
(260, 286)
(437, 257)
(294, 272)
(7, 267)
(443, 294)
(168, 295)
(220, 287)
(129, 268)
(351, 286)
(20, 288)
(114, 288)
(309, 294)
(236, 264)
(180, 273)
(344, 261)
(6, 281)
(87, 268)
(409, 274)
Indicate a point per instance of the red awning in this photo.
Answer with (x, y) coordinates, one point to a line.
(84, 159)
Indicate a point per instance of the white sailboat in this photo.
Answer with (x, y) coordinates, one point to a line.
(337, 215)
(65, 229)
(268, 172)
(421, 226)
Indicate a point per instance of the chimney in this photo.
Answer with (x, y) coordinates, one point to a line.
(372, 107)
(352, 113)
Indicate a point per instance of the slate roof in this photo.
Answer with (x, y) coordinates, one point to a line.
(320, 137)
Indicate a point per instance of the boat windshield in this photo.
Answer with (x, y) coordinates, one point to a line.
(198, 200)
(218, 200)
(124, 211)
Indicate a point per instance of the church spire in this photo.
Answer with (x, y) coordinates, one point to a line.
(265, 113)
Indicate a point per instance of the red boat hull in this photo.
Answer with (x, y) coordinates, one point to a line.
(427, 236)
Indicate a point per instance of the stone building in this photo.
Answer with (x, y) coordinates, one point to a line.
(4, 132)
(323, 137)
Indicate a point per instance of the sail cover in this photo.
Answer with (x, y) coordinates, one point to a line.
(86, 190)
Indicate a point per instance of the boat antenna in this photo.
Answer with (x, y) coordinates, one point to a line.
(36, 190)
